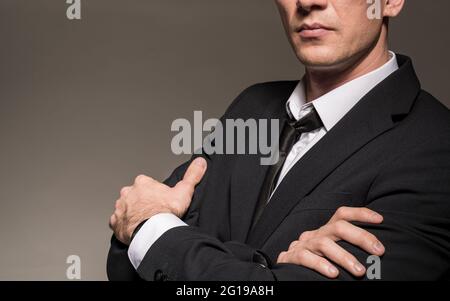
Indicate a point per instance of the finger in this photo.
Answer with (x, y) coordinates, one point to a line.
(143, 180)
(118, 205)
(282, 257)
(307, 235)
(357, 236)
(124, 191)
(304, 257)
(363, 215)
(331, 250)
(112, 221)
(293, 244)
(195, 171)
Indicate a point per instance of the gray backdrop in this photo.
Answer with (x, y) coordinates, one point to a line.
(87, 105)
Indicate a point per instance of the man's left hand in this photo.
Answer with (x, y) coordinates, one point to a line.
(148, 197)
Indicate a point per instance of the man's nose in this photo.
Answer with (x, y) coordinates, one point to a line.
(306, 6)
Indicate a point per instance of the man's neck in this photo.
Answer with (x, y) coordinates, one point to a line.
(320, 81)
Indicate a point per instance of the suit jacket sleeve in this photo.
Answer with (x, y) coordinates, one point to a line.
(413, 194)
(119, 267)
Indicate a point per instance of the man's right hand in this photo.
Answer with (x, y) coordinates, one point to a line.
(315, 248)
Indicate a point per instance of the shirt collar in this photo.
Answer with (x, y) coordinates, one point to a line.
(334, 105)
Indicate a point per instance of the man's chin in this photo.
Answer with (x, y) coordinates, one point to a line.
(318, 57)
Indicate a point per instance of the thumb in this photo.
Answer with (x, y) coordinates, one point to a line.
(195, 171)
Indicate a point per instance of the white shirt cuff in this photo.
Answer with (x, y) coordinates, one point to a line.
(149, 233)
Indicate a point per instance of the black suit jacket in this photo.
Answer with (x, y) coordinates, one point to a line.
(390, 153)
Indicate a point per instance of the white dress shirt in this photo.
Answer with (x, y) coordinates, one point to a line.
(331, 108)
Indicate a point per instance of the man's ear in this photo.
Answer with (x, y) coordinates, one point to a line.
(392, 8)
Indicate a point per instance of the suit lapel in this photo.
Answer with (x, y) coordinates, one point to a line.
(248, 173)
(371, 117)
(245, 187)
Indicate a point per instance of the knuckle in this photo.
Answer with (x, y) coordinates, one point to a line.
(116, 213)
(293, 244)
(305, 235)
(342, 211)
(112, 221)
(365, 211)
(139, 179)
(118, 209)
(362, 212)
(124, 190)
(119, 205)
(282, 257)
(142, 179)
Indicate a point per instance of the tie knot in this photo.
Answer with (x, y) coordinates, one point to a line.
(308, 123)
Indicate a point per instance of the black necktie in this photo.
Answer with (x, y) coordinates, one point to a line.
(291, 132)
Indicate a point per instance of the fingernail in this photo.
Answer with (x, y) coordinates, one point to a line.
(333, 271)
(200, 162)
(358, 267)
(378, 247)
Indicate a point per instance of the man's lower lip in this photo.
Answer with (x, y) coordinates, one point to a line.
(313, 33)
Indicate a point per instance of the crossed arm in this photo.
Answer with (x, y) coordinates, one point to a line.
(310, 250)
(413, 230)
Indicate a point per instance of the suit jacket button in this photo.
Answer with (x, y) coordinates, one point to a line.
(159, 275)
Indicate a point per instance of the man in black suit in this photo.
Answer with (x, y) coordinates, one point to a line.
(364, 169)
